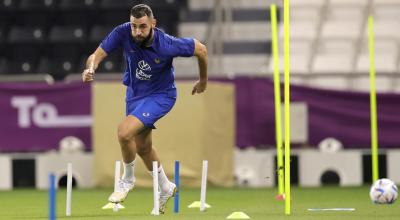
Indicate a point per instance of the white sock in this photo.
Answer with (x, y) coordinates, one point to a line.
(129, 169)
(163, 180)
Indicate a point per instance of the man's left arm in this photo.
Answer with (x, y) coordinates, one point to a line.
(200, 51)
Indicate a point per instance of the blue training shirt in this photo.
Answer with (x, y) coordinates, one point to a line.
(149, 70)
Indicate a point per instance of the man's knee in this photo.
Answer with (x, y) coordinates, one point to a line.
(129, 129)
(124, 134)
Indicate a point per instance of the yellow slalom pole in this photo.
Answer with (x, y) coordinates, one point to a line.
(277, 94)
(287, 104)
(374, 127)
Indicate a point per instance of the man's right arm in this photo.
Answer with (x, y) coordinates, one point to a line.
(92, 63)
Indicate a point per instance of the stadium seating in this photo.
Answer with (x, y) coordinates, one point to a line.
(251, 14)
(34, 18)
(38, 5)
(111, 4)
(301, 29)
(386, 54)
(67, 34)
(99, 32)
(81, 5)
(239, 47)
(113, 63)
(328, 81)
(53, 36)
(245, 34)
(22, 35)
(382, 83)
(305, 14)
(22, 58)
(209, 4)
(21, 66)
(259, 30)
(3, 66)
(2, 37)
(327, 36)
(332, 63)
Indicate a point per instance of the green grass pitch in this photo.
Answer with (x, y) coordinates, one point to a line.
(257, 203)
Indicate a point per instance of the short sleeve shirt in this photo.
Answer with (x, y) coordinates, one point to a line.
(149, 70)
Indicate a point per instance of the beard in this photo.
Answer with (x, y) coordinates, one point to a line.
(144, 41)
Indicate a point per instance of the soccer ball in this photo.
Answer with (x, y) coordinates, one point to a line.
(71, 144)
(383, 191)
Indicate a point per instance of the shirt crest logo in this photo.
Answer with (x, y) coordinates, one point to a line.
(157, 60)
(144, 66)
(143, 71)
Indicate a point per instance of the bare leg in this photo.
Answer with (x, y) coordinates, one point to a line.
(145, 149)
(127, 131)
(148, 154)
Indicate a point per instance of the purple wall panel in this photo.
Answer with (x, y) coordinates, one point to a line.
(36, 116)
(340, 114)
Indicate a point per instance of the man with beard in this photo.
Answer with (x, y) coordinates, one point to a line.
(151, 91)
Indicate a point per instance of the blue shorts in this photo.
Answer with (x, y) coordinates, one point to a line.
(151, 108)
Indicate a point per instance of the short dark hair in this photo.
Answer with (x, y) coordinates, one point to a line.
(141, 10)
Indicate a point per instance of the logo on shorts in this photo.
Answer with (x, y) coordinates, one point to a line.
(143, 71)
(146, 114)
(157, 60)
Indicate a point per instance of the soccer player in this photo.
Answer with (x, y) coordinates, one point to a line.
(150, 92)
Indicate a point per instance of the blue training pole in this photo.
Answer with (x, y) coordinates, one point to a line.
(52, 196)
(176, 198)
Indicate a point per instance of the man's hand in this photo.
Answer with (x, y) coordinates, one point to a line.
(88, 75)
(200, 51)
(92, 63)
(199, 87)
